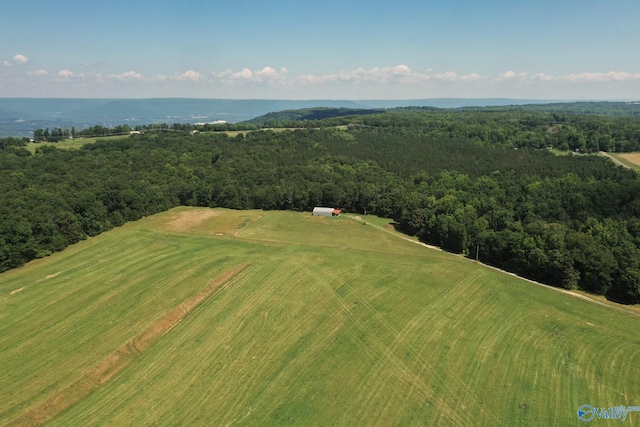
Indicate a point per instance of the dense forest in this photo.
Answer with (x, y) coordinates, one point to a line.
(523, 126)
(480, 183)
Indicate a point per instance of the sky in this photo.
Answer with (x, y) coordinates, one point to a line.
(323, 49)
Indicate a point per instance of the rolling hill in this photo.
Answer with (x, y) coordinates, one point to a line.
(210, 316)
(21, 116)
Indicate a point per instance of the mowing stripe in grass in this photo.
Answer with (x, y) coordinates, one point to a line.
(121, 358)
(334, 323)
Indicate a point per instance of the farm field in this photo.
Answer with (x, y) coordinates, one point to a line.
(631, 159)
(216, 317)
(69, 144)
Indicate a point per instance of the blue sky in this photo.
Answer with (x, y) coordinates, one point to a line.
(285, 49)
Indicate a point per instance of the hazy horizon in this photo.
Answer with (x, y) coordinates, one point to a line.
(20, 116)
(536, 100)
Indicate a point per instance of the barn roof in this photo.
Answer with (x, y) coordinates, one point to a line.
(321, 209)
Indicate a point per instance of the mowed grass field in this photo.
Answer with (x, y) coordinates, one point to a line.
(632, 160)
(219, 317)
(70, 144)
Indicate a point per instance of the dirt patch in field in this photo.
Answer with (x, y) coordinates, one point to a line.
(15, 291)
(187, 220)
(631, 157)
(51, 276)
(209, 222)
(121, 358)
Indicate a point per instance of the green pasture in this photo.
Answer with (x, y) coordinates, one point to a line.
(70, 144)
(333, 323)
(561, 152)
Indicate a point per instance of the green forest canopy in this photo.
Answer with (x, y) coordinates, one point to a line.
(479, 183)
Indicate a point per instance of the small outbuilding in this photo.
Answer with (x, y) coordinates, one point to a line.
(320, 211)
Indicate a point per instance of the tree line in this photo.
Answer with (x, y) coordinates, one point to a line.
(58, 134)
(569, 221)
(510, 127)
(556, 126)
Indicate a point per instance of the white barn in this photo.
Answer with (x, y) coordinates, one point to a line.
(320, 211)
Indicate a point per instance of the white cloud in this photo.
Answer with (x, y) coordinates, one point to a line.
(543, 77)
(65, 74)
(473, 77)
(271, 74)
(449, 75)
(384, 81)
(588, 77)
(396, 71)
(615, 75)
(266, 74)
(7, 63)
(602, 77)
(127, 76)
(245, 74)
(356, 75)
(20, 59)
(399, 73)
(312, 79)
(190, 75)
(383, 75)
(511, 75)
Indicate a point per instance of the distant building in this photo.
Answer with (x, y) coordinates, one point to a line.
(319, 211)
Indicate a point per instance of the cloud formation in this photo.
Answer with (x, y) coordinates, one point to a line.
(392, 81)
(20, 59)
(602, 77)
(127, 76)
(65, 74)
(511, 75)
(473, 77)
(190, 75)
(266, 74)
(398, 74)
(449, 75)
(587, 77)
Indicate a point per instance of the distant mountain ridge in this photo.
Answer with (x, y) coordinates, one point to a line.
(20, 116)
(305, 114)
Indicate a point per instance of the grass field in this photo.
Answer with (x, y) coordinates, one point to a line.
(70, 144)
(631, 160)
(220, 317)
(561, 152)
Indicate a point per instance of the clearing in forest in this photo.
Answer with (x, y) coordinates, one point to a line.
(631, 157)
(333, 323)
